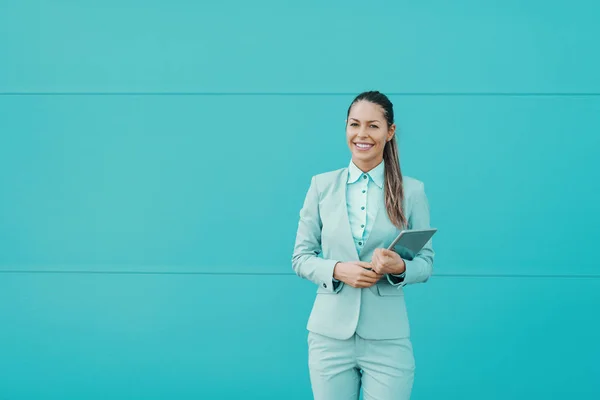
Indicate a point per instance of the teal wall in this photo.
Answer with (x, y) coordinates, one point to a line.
(154, 156)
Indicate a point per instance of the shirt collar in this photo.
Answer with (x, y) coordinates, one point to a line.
(376, 174)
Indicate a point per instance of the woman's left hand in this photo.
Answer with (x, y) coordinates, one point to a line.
(387, 262)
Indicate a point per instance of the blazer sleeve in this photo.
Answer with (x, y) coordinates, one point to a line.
(306, 260)
(420, 268)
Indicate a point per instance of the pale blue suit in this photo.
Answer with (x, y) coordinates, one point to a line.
(358, 337)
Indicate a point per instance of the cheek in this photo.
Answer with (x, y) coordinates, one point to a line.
(349, 136)
(383, 138)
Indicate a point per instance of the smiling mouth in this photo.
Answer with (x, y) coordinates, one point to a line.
(363, 146)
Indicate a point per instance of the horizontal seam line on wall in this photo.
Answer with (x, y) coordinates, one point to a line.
(519, 94)
(561, 276)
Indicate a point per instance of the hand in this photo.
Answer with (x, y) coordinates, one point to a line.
(387, 262)
(356, 274)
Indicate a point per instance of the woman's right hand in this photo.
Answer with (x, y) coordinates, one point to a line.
(356, 274)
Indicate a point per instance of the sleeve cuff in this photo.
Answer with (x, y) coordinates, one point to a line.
(396, 280)
(337, 285)
(328, 282)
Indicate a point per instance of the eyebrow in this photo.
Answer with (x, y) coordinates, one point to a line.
(375, 120)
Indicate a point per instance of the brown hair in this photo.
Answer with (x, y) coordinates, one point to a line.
(393, 190)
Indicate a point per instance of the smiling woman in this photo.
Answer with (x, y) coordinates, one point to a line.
(359, 333)
(371, 134)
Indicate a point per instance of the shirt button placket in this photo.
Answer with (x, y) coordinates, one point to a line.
(363, 208)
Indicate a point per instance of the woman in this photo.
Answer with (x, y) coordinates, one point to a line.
(359, 334)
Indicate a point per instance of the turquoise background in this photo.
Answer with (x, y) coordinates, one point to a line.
(154, 157)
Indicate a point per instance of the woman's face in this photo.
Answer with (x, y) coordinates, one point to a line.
(367, 133)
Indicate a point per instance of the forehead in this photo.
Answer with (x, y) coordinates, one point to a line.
(366, 111)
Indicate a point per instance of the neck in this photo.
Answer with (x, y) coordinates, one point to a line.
(366, 166)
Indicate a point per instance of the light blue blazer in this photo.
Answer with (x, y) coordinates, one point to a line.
(324, 238)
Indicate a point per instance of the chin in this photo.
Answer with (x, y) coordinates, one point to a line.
(359, 155)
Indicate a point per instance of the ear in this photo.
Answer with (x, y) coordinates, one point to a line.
(391, 132)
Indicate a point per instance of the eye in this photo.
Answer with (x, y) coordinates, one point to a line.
(353, 124)
(374, 126)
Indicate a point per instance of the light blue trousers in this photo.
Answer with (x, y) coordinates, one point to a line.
(339, 368)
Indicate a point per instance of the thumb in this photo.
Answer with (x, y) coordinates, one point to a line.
(387, 253)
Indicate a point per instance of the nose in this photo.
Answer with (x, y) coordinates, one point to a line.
(362, 132)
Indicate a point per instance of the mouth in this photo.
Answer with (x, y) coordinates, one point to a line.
(363, 146)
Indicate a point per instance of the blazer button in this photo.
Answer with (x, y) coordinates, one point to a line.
(324, 285)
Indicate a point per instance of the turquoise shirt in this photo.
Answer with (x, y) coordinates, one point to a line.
(364, 197)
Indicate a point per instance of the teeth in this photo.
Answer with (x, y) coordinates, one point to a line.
(363, 146)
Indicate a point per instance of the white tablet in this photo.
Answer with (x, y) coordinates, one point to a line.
(413, 240)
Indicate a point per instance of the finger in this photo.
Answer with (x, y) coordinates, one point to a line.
(371, 274)
(365, 283)
(369, 283)
(377, 266)
(384, 255)
(359, 283)
(387, 253)
(378, 272)
(364, 264)
(393, 256)
(374, 279)
(364, 280)
(368, 278)
(376, 259)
